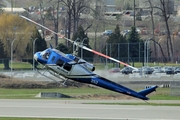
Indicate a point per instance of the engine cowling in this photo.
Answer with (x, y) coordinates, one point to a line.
(86, 64)
(78, 60)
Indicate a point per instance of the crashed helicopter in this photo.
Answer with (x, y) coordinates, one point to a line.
(71, 67)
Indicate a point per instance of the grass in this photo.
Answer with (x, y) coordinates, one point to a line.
(28, 66)
(18, 65)
(161, 94)
(31, 93)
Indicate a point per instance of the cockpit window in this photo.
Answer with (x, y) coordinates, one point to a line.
(45, 54)
(60, 62)
(67, 66)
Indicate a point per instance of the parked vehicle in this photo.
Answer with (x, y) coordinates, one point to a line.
(107, 32)
(126, 70)
(147, 70)
(164, 68)
(169, 70)
(139, 70)
(177, 70)
(157, 69)
(114, 70)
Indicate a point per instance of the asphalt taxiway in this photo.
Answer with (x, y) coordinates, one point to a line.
(77, 109)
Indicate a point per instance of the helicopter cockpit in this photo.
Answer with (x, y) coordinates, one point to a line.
(45, 54)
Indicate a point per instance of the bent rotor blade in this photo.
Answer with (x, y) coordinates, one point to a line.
(108, 57)
(83, 47)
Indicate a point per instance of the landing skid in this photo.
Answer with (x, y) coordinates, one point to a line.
(62, 83)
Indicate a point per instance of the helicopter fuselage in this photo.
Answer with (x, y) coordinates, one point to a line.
(62, 65)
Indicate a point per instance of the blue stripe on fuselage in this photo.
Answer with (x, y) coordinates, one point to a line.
(107, 84)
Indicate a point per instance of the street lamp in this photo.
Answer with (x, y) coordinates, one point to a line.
(81, 48)
(146, 45)
(12, 54)
(34, 51)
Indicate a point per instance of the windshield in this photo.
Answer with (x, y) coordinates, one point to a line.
(45, 54)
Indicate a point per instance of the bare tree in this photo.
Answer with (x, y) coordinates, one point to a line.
(55, 11)
(151, 10)
(68, 4)
(164, 57)
(166, 17)
(79, 7)
(74, 9)
(164, 14)
(41, 8)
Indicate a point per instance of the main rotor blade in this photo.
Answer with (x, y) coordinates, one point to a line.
(108, 57)
(83, 47)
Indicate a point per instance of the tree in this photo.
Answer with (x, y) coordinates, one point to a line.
(83, 39)
(79, 7)
(151, 10)
(56, 19)
(138, 16)
(134, 40)
(42, 16)
(74, 8)
(2, 52)
(117, 39)
(17, 32)
(166, 17)
(63, 48)
(40, 45)
(3, 55)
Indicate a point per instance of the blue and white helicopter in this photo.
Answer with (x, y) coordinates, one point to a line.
(69, 66)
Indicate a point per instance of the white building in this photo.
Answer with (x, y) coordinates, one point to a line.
(14, 10)
(169, 5)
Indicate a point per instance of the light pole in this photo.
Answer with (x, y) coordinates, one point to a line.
(34, 51)
(81, 48)
(12, 54)
(146, 45)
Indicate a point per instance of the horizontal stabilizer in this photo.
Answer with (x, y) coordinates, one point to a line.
(148, 90)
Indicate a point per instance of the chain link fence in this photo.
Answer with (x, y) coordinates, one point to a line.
(175, 88)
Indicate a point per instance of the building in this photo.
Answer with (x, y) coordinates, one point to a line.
(14, 10)
(106, 7)
(169, 5)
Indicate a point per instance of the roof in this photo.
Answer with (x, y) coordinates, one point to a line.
(14, 10)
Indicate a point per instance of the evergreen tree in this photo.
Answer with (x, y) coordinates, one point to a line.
(63, 48)
(3, 55)
(40, 45)
(116, 39)
(82, 37)
(134, 42)
(138, 16)
(2, 52)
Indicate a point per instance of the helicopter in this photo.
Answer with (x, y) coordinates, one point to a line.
(69, 66)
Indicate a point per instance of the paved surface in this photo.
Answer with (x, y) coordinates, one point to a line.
(75, 109)
(30, 75)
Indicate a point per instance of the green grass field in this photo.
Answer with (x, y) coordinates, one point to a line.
(160, 94)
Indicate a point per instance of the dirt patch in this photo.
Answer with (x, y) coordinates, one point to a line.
(104, 97)
(7, 82)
